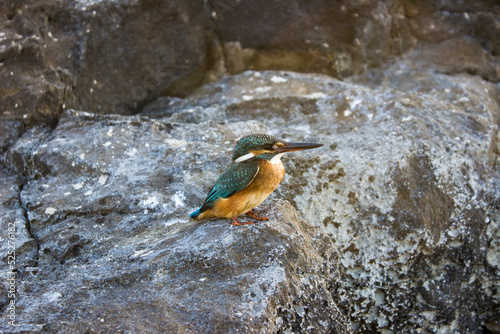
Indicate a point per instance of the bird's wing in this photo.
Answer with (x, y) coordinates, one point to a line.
(235, 178)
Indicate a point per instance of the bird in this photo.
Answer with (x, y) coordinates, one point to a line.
(255, 171)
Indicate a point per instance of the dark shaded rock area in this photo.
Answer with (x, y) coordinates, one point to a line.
(118, 116)
(343, 38)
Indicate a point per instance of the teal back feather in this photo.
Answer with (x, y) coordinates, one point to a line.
(235, 178)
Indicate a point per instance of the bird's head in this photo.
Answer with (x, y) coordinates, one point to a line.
(262, 146)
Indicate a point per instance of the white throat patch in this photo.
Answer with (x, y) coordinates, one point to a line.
(276, 159)
(245, 157)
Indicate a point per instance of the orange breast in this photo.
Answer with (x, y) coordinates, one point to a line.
(268, 178)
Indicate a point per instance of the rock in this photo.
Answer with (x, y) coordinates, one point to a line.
(99, 56)
(403, 197)
(18, 244)
(338, 39)
(120, 57)
(137, 51)
(407, 185)
(106, 197)
(348, 38)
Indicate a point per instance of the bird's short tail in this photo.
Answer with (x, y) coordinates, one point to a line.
(195, 214)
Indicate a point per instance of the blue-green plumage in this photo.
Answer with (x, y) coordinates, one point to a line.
(235, 178)
(195, 213)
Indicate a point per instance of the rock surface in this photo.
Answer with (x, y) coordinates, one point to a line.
(406, 185)
(107, 199)
(403, 198)
(343, 38)
(99, 56)
(107, 56)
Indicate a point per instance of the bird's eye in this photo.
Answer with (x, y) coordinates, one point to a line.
(268, 147)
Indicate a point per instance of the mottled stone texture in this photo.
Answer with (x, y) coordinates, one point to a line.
(407, 185)
(392, 226)
(107, 198)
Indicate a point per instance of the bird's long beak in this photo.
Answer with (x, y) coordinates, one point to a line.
(289, 147)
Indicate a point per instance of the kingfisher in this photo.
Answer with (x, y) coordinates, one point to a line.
(255, 171)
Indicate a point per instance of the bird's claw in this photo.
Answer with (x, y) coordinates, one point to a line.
(255, 216)
(237, 222)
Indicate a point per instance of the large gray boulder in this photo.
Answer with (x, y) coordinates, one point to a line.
(406, 188)
(107, 200)
(407, 185)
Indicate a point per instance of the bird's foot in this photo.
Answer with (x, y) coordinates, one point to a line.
(255, 216)
(237, 222)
